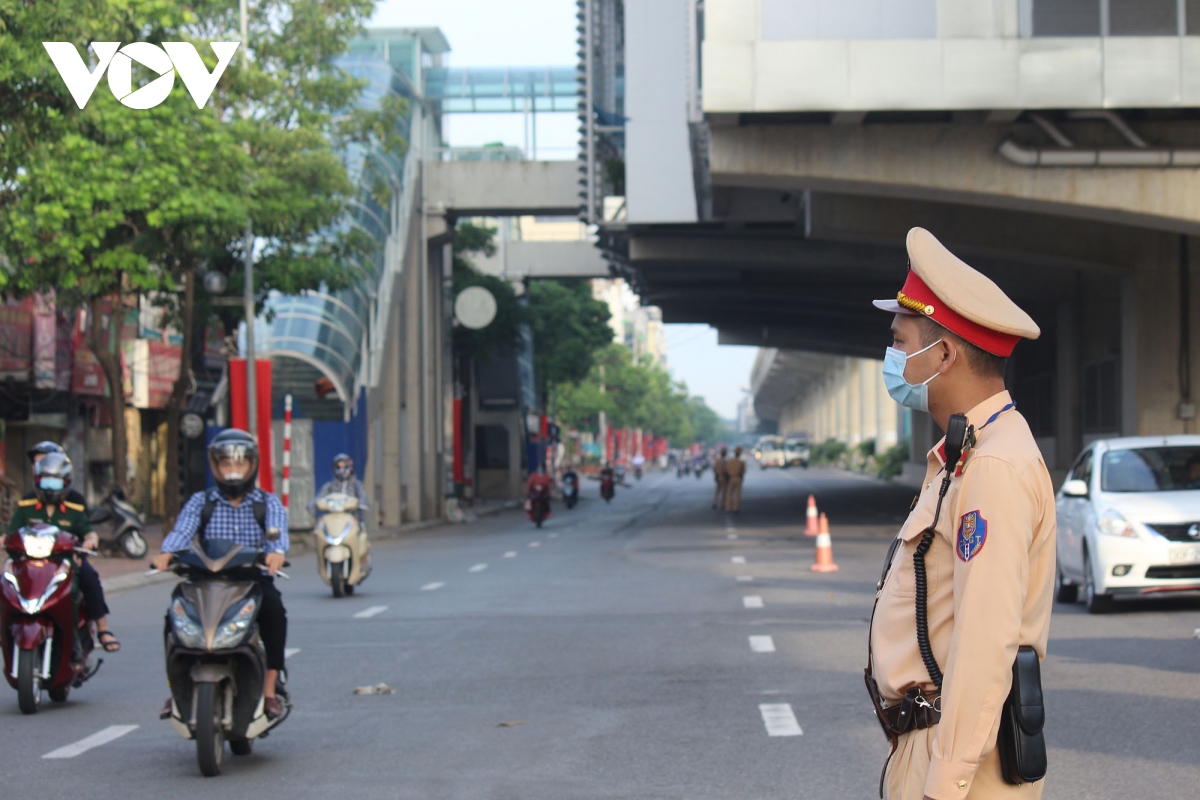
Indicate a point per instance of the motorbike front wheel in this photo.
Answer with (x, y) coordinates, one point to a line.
(210, 737)
(133, 544)
(337, 579)
(29, 688)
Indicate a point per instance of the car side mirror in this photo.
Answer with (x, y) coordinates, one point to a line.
(273, 534)
(1075, 488)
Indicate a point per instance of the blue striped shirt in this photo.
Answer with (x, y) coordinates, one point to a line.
(230, 522)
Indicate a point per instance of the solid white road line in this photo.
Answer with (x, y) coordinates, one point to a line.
(752, 601)
(291, 651)
(95, 740)
(511, 554)
(780, 720)
(762, 644)
(478, 568)
(431, 587)
(745, 578)
(367, 613)
(738, 560)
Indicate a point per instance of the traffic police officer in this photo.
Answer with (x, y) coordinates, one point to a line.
(735, 471)
(989, 568)
(721, 478)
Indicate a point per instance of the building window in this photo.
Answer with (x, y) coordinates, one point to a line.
(1115, 17)
(1143, 17)
(1066, 17)
(1102, 396)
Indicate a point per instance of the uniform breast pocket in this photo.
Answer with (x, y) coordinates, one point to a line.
(902, 579)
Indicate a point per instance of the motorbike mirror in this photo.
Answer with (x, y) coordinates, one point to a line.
(273, 534)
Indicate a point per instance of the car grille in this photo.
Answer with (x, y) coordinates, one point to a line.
(1176, 533)
(1182, 571)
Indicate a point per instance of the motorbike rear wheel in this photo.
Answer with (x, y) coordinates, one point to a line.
(29, 688)
(210, 737)
(133, 544)
(337, 579)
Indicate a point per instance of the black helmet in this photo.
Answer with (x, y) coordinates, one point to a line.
(240, 446)
(42, 449)
(52, 478)
(343, 467)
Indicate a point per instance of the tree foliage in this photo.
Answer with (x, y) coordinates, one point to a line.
(503, 335)
(569, 327)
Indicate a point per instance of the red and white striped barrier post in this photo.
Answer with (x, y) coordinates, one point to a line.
(287, 447)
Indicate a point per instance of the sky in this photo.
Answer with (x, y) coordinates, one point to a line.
(522, 33)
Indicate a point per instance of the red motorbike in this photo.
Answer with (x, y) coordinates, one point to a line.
(607, 487)
(538, 504)
(45, 632)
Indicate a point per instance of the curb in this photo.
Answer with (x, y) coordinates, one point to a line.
(138, 580)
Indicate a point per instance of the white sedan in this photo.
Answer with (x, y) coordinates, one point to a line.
(1129, 520)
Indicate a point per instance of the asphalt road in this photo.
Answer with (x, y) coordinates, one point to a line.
(644, 649)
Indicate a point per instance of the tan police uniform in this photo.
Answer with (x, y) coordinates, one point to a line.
(735, 469)
(722, 481)
(990, 568)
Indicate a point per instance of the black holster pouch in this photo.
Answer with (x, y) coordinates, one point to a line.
(1021, 744)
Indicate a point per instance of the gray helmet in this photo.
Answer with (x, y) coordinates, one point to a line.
(234, 443)
(52, 478)
(42, 449)
(343, 467)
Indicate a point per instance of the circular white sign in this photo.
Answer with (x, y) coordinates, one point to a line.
(191, 425)
(475, 307)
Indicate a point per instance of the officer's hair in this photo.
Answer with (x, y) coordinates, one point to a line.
(982, 362)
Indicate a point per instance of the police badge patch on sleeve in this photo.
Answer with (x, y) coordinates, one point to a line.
(972, 533)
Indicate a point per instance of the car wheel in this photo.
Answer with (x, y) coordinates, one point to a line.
(1064, 592)
(1096, 602)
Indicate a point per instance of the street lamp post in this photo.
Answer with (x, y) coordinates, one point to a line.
(248, 270)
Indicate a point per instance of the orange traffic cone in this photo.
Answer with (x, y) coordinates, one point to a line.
(812, 529)
(824, 559)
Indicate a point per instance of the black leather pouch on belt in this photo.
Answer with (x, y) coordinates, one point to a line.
(1022, 746)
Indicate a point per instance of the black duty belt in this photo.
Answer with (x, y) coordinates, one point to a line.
(916, 711)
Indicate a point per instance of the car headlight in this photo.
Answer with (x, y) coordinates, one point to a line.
(186, 630)
(1113, 524)
(232, 631)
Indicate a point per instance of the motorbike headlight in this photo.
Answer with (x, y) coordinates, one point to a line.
(1113, 524)
(37, 546)
(234, 630)
(341, 537)
(187, 631)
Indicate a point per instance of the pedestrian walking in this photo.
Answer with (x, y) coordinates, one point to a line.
(964, 602)
(735, 470)
(721, 478)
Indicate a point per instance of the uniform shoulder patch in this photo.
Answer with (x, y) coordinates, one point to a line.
(972, 534)
(30, 503)
(73, 506)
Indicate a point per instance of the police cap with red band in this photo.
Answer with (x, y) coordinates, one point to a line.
(965, 302)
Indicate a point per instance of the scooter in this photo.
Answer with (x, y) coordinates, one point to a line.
(124, 535)
(570, 491)
(216, 662)
(45, 632)
(606, 489)
(538, 504)
(343, 549)
(637, 473)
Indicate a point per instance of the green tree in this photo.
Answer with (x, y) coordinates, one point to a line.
(569, 328)
(502, 336)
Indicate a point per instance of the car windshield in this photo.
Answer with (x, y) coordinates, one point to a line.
(1151, 469)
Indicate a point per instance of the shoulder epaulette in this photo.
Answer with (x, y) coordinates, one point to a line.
(73, 506)
(30, 503)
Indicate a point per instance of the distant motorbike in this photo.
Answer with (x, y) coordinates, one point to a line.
(637, 473)
(607, 489)
(216, 661)
(124, 534)
(619, 471)
(45, 633)
(570, 491)
(343, 549)
(538, 504)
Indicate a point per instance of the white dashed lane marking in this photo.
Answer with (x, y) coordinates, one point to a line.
(731, 537)
(511, 554)
(535, 544)
(752, 601)
(367, 613)
(780, 719)
(478, 568)
(738, 560)
(552, 536)
(105, 736)
(291, 651)
(745, 578)
(762, 644)
(432, 587)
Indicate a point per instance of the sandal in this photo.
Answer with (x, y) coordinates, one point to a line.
(111, 644)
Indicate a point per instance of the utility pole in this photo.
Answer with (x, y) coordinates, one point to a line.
(248, 269)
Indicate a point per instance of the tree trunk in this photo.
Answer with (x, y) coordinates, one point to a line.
(110, 362)
(172, 496)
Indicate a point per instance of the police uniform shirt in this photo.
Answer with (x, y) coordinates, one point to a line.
(990, 575)
(66, 516)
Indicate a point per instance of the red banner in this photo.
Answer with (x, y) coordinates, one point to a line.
(240, 415)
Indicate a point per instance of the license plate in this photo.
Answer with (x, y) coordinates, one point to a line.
(1185, 555)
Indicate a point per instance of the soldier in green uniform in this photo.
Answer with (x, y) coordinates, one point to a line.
(52, 479)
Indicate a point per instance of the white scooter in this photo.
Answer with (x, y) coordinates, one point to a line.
(343, 550)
